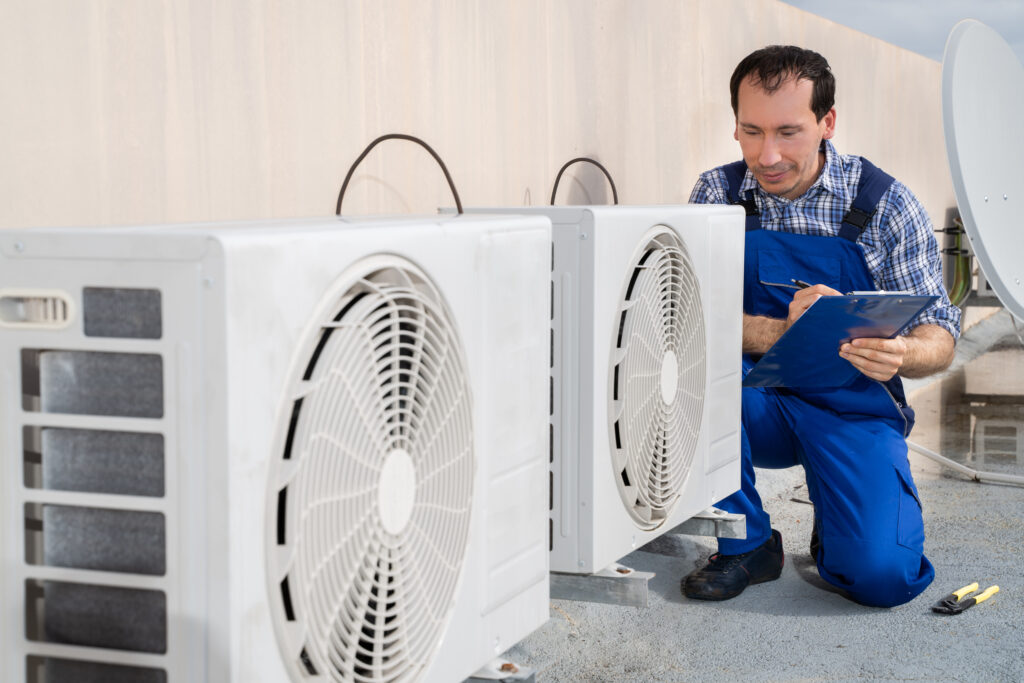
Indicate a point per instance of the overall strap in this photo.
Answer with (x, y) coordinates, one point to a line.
(734, 174)
(874, 182)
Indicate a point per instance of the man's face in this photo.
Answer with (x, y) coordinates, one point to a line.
(780, 137)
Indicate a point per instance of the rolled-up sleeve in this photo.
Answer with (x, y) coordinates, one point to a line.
(914, 264)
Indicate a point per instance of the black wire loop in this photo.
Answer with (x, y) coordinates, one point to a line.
(397, 136)
(615, 194)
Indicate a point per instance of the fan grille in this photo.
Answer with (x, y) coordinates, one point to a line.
(657, 378)
(374, 486)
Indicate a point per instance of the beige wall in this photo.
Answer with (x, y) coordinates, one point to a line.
(143, 111)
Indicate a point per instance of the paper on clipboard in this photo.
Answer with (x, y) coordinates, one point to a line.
(807, 354)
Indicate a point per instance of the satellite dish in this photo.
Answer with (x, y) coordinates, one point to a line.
(982, 100)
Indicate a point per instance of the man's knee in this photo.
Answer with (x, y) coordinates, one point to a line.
(879, 575)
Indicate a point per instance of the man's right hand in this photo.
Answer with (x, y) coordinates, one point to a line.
(803, 299)
(760, 332)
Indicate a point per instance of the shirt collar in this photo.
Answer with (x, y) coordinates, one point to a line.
(830, 179)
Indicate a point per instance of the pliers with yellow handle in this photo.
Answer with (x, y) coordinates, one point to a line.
(955, 602)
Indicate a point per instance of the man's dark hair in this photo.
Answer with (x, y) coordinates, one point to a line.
(772, 66)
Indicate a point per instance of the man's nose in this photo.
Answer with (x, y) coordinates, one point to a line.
(769, 154)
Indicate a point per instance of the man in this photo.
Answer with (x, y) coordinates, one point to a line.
(811, 218)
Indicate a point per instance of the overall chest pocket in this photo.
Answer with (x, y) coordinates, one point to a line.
(776, 270)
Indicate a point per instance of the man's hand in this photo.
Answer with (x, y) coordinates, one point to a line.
(926, 350)
(760, 332)
(877, 358)
(803, 299)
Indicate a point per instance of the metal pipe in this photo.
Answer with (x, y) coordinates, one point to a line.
(983, 477)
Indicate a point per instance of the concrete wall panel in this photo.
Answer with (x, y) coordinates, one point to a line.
(137, 112)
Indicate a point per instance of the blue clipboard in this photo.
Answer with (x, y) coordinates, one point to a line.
(807, 354)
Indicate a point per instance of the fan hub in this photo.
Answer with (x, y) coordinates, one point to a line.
(669, 377)
(396, 491)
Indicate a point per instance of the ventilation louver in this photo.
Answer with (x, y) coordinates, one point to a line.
(658, 379)
(380, 433)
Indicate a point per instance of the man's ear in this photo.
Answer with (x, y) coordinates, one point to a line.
(736, 133)
(829, 120)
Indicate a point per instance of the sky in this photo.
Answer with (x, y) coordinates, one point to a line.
(922, 25)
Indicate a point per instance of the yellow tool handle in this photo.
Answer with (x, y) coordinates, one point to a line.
(968, 589)
(989, 592)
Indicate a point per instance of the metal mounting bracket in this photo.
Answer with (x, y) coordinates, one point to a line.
(613, 585)
(714, 522)
(503, 671)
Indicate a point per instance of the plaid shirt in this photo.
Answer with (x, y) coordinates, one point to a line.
(899, 243)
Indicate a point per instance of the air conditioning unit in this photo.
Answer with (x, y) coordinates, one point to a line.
(305, 450)
(646, 309)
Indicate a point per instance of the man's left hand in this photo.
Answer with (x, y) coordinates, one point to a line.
(877, 358)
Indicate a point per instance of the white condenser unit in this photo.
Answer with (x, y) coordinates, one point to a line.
(646, 309)
(303, 450)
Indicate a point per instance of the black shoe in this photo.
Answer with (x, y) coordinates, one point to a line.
(815, 543)
(725, 576)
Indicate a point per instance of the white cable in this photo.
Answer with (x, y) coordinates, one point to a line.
(983, 477)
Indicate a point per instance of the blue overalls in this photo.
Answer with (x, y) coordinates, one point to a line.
(850, 441)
